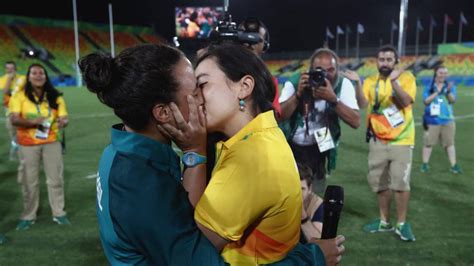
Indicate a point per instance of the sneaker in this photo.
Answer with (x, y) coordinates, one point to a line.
(378, 226)
(24, 225)
(3, 239)
(456, 169)
(61, 220)
(424, 168)
(404, 231)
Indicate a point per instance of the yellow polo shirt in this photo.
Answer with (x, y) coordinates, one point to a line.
(17, 84)
(19, 103)
(254, 197)
(403, 134)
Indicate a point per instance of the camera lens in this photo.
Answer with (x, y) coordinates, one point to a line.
(317, 77)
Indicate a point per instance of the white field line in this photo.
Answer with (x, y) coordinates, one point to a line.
(459, 117)
(80, 116)
(92, 176)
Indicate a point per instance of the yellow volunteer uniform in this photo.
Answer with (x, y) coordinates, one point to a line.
(254, 196)
(19, 103)
(403, 134)
(16, 85)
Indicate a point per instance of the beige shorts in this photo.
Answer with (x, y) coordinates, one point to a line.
(389, 166)
(443, 133)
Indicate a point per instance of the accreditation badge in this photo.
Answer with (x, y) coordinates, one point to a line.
(393, 115)
(324, 139)
(42, 131)
(435, 109)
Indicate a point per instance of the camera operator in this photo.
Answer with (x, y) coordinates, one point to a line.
(252, 24)
(312, 112)
(255, 25)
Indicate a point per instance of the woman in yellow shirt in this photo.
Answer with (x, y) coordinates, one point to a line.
(38, 112)
(251, 208)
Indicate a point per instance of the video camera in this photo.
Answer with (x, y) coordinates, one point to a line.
(227, 31)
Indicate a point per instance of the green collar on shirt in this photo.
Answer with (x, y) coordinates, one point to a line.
(129, 142)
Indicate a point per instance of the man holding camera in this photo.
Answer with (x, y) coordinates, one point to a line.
(389, 97)
(312, 113)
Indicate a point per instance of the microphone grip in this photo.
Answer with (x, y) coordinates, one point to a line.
(333, 203)
(330, 223)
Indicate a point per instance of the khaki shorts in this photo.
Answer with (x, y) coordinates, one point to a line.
(389, 166)
(443, 133)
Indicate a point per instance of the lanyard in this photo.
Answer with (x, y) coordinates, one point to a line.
(39, 110)
(376, 106)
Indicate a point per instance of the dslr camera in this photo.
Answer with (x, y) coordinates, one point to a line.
(317, 77)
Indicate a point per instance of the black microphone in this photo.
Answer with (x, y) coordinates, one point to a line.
(333, 202)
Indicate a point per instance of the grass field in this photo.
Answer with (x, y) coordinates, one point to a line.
(441, 205)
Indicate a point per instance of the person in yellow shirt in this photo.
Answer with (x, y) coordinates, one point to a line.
(38, 112)
(10, 83)
(251, 208)
(389, 97)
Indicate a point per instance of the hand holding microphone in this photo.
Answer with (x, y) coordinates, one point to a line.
(331, 245)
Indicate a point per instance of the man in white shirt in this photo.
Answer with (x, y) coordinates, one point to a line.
(312, 111)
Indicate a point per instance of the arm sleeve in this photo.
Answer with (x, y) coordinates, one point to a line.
(234, 199)
(154, 214)
(426, 92)
(287, 91)
(62, 111)
(348, 96)
(15, 104)
(366, 89)
(454, 92)
(3, 80)
(408, 84)
(307, 254)
(318, 214)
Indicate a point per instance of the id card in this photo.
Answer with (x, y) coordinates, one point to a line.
(393, 116)
(42, 131)
(324, 139)
(435, 109)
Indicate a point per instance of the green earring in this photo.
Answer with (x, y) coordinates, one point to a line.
(242, 104)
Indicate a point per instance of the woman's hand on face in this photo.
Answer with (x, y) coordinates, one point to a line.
(191, 135)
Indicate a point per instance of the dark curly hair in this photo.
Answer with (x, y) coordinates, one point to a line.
(133, 82)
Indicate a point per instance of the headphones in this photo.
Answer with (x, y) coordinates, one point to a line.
(252, 24)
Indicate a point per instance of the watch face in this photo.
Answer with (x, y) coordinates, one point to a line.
(190, 160)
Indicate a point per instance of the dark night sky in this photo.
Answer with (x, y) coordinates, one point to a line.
(296, 25)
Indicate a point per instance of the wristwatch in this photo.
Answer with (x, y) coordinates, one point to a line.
(191, 159)
(335, 103)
